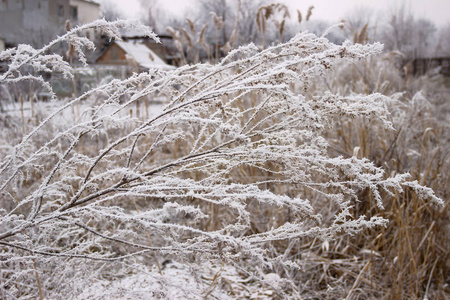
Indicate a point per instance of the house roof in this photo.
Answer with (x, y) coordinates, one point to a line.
(143, 55)
(90, 1)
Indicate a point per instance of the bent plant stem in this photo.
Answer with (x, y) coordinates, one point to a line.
(38, 202)
(73, 202)
(99, 258)
(150, 149)
(137, 131)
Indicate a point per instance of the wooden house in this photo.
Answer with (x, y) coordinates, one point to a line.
(135, 54)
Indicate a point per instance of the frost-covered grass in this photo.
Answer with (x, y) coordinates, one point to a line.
(260, 176)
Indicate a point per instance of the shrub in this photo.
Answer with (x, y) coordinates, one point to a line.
(232, 170)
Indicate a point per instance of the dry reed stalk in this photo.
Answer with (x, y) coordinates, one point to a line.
(361, 37)
(202, 41)
(265, 13)
(412, 247)
(234, 34)
(41, 296)
(219, 25)
(309, 13)
(191, 25)
(178, 43)
(299, 16)
(187, 37)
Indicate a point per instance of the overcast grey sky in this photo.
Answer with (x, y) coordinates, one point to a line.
(332, 10)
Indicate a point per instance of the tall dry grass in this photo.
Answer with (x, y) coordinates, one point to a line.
(409, 259)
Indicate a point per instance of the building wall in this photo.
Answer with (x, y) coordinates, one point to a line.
(11, 4)
(88, 11)
(11, 19)
(37, 22)
(55, 13)
(34, 22)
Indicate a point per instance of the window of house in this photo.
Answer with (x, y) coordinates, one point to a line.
(74, 12)
(60, 11)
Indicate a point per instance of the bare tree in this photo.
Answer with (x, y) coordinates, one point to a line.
(443, 41)
(110, 11)
(406, 34)
(153, 16)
